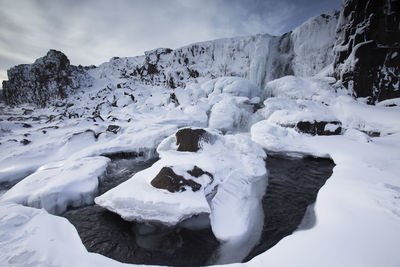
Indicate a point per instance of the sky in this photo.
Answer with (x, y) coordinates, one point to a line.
(92, 31)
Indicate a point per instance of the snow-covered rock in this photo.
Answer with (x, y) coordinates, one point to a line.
(200, 171)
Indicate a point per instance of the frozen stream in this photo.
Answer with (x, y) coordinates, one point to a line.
(293, 185)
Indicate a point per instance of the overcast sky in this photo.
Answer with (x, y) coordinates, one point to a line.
(93, 31)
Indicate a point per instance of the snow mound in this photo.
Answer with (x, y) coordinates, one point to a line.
(229, 177)
(59, 185)
(230, 101)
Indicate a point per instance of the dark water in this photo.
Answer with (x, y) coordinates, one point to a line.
(293, 185)
(4, 186)
(121, 169)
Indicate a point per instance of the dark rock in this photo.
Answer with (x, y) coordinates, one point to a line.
(318, 127)
(95, 135)
(123, 155)
(169, 180)
(113, 128)
(132, 96)
(372, 133)
(25, 142)
(26, 125)
(197, 172)
(189, 139)
(50, 127)
(370, 32)
(173, 99)
(15, 119)
(27, 111)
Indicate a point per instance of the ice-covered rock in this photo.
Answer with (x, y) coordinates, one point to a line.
(59, 185)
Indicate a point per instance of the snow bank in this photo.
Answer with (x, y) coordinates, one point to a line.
(32, 237)
(59, 185)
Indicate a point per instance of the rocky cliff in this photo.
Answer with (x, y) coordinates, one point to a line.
(304, 51)
(48, 78)
(367, 54)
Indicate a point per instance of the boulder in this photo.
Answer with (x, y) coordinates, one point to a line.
(189, 139)
(113, 128)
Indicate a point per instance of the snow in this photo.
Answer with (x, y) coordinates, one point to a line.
(59, 185)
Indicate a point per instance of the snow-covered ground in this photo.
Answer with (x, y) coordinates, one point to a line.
(357, 211)
(58, 155)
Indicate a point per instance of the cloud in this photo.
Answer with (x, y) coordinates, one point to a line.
(92, 31)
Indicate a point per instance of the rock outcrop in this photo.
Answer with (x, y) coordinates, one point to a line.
(48, 78)
(367, 54)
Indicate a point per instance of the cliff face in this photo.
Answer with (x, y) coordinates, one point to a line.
(48, 78)
(260, 58)
(367, 54)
